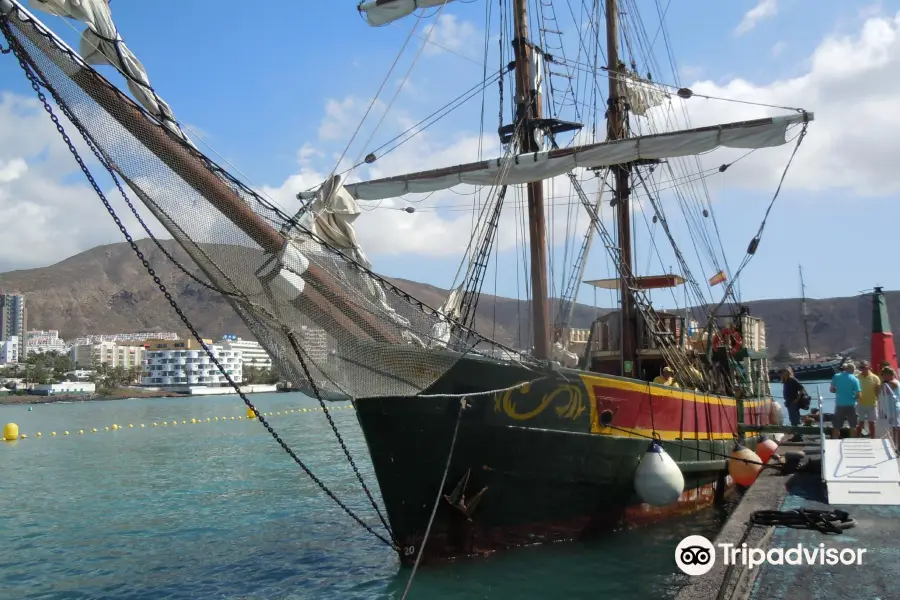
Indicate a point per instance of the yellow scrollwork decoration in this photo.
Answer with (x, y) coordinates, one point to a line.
(573, 408)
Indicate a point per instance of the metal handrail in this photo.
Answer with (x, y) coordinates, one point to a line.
(821, 429)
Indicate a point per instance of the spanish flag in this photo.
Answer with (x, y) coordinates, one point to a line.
(717, 278)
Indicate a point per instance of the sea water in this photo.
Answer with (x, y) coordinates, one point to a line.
(218, 510)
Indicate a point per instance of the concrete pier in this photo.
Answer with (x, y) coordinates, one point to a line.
(873, 540)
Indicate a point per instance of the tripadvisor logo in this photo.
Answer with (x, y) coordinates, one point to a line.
(695, 555)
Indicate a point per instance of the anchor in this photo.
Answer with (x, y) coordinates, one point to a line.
(457, 498)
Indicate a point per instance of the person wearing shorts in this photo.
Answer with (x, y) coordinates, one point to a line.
(846, 389)
(867, 409)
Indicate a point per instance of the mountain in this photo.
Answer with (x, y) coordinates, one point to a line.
(107, 290)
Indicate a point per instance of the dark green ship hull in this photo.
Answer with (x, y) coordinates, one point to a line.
(538, 464)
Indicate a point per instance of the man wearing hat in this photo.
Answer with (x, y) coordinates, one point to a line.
(667, 377)
(867, 409)
(845, 387)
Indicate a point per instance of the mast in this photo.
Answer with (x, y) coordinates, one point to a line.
(804, 313)
(616, 130)
(528, 111)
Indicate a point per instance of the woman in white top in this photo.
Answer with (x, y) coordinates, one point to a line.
(889, 403)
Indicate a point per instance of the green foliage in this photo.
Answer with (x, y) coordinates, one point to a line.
(109, 378)
(41, 368)
(251, 374)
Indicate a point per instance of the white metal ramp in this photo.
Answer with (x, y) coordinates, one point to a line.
(861, 471)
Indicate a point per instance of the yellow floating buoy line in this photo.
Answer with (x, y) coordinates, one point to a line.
(11, 430)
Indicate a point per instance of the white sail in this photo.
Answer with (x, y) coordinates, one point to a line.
(449, 310)
(642, 95)
(331, 216)
(381, 12)
(537, 166)
(96, 48)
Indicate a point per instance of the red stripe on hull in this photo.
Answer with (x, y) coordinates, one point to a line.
(500, 538)
(648, 411)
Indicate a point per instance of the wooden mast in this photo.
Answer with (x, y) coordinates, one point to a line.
(528, 110)
(616, 121)
(804, 313)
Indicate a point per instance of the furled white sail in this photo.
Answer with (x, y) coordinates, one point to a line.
(537, 166)
(331, 216)
(449, 310)
(642, 95)
(97, 48)
(381, 12)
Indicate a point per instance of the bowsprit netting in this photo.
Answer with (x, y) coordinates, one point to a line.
(305, 301)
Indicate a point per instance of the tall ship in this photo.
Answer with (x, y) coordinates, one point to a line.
(476, 446)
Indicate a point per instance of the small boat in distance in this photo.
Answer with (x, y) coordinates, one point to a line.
(817, 371)
(808, 369)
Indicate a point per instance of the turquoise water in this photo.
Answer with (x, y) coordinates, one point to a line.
(219, 511)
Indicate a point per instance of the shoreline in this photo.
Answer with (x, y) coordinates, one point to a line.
(118, 394)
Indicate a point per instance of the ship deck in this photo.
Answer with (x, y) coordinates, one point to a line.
(875, 530)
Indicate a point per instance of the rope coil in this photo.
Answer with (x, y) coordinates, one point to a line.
(826, 521)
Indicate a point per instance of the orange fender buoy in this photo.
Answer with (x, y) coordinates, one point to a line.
(744, 465)
(765, 449)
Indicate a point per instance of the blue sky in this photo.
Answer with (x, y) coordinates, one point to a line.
(260, 87)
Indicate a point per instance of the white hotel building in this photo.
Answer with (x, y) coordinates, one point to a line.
(252, 353)
(186, 363)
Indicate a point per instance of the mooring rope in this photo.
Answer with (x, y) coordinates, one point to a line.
(437, 501)
(826, 521)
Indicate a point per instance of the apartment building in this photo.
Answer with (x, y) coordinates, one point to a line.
(185, 362)
(13, 319)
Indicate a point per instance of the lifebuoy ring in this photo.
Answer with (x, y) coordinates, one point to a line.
(734, 340)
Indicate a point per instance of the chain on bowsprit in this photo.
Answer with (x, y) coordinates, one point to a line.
(36, 79)
(293, 340)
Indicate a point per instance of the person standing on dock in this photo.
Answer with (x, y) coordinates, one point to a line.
(889, 401)
(845, 387)
(867, 409)
(792, 390)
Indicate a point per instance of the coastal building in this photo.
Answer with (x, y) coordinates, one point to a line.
(81, 374)
(112, 354)
(185, 363)
(13, 319)
(67, 387)
(40, 341)
(9, 351)
(134, 338)
(252, 353)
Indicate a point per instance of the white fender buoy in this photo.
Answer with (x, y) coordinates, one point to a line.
(658, 480)
(776, 413)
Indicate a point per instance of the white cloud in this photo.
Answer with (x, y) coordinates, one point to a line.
(764, 9)
(12, 170)
(45, 217)
(449, 34)
(851, 84)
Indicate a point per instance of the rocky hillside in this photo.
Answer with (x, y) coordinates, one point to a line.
(107, 290)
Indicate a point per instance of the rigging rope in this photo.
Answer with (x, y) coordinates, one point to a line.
(36, 79)
(754, 243)
(437, 500)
